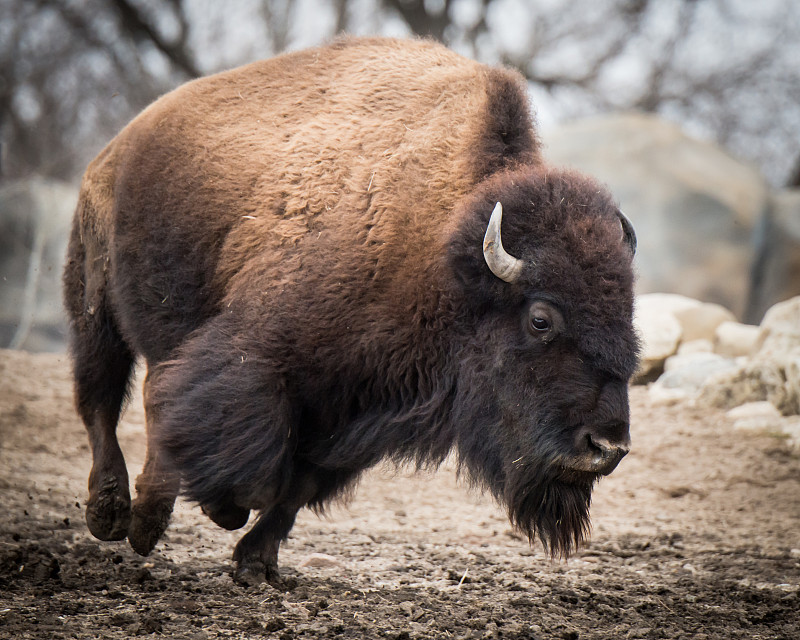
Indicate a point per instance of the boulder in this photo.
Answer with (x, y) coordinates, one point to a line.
(700, 322)
(776, 271)
(752, 382)
(791, 431)
(780, 330)
(694, 206)
(660, 333)
(772, 373)
(688, 372)
(733, 339)
(696, 346)
(35, 217)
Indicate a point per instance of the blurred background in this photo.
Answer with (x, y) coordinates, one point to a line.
(688, 109)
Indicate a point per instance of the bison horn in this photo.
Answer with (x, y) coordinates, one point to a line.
(628, 231)
(502, 264)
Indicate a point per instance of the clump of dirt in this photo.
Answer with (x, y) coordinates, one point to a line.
(696, 535)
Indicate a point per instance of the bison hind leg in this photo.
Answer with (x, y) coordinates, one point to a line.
(102, 366)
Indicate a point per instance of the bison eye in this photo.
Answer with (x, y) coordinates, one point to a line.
(544, 320)
(540, 325)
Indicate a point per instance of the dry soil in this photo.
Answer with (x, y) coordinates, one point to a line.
(696, 535)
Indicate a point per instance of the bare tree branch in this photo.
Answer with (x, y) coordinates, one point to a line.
(419, 20)
(140, 29)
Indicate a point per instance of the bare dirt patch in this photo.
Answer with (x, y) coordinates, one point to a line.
(696, 535)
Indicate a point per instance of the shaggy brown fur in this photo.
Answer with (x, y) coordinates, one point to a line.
(294, 247)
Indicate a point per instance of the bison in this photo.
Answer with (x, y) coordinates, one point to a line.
(306, 252)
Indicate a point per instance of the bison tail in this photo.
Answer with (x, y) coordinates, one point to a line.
(102, 360)
(225, 421)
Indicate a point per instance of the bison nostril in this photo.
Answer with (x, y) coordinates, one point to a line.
(599, 449)
(606, 448)
(606, 454)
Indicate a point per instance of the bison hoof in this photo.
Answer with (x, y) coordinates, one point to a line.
(255, 572)
(147, 526)
(228, 517)
(108, 511)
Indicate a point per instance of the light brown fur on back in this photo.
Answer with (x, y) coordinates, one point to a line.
(364, 137)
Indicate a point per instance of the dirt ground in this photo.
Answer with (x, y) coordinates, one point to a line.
(696, 535)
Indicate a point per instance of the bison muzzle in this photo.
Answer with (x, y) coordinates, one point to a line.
(307, 254)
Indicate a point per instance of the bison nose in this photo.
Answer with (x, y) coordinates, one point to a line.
(606, 454)
(599, 449)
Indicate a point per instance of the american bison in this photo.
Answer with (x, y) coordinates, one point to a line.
(306, 252)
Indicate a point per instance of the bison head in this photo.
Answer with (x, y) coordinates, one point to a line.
(547, 346)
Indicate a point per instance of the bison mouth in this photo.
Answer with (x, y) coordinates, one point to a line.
(553, 506)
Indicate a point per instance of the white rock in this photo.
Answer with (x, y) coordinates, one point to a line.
(791, 429)
(691, 370)
(661, 396)
(756, 416)
(695, 346)
(780, 330)
(784, 317)
(733, 339)
(772, 372)
(754, 382)
(660, 333)
(665, 302)
(701, 321)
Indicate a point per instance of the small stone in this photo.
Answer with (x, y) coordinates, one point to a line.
(320, 560)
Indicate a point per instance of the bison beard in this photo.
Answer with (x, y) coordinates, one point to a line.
(307, 254)
(552, 507)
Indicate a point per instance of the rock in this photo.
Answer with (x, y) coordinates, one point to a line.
(754, 382)
(791, 429)
(772, 373)
(690, 371)
(320, 560)
(776, 273)
(696, 346)
(756, 416)
(656, 321)
(35, 218)
(733, 339)
(666, 303)
(663, 396)
(764, 417)
(660, 333)
(700, 322)
(780, 329)
(694, 206)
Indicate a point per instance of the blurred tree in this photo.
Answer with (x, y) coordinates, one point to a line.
(74, 71)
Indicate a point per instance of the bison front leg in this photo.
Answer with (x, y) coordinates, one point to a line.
(156, 487)
(256, 555)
